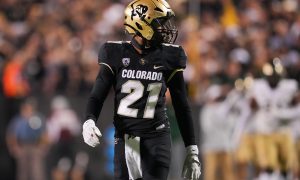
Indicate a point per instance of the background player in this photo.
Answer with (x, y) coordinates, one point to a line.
(273, 145)
(140, 72)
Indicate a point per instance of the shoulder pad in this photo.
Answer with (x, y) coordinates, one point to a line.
(258, 86)
(108, 49)
(175, 56)
(114, 42)
(288, 85)
(109, 53)
(260, 91)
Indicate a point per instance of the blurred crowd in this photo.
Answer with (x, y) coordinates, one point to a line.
(48, 57)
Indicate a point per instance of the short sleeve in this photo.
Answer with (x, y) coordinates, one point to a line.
(104, 58)
(182, 58)
(176, 60)
(175, 57)
(102, 55)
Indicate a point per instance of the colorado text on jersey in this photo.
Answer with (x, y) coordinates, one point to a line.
(137, 74)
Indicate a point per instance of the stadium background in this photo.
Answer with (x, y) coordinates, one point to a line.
(49, 48)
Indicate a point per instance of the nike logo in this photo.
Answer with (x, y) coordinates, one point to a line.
(157, 67)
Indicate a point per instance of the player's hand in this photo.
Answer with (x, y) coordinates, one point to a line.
(192, 167)
(90, 133)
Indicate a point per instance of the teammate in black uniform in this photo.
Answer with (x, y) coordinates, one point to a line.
(140, 72)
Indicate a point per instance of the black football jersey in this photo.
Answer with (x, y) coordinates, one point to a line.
(140, 83)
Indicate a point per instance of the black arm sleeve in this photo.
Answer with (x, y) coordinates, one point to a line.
(182, 109)
(99, 92)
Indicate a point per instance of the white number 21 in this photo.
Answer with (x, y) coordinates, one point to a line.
(135, 90)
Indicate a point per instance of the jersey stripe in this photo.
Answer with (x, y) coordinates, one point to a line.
(108, 67)
(133, 156)
(173, 73)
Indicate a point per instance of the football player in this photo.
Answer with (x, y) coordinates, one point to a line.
(140, 71)
(217, 120)
(273, 142)
(292, 114)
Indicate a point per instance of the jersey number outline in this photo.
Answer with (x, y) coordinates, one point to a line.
(135, 90)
